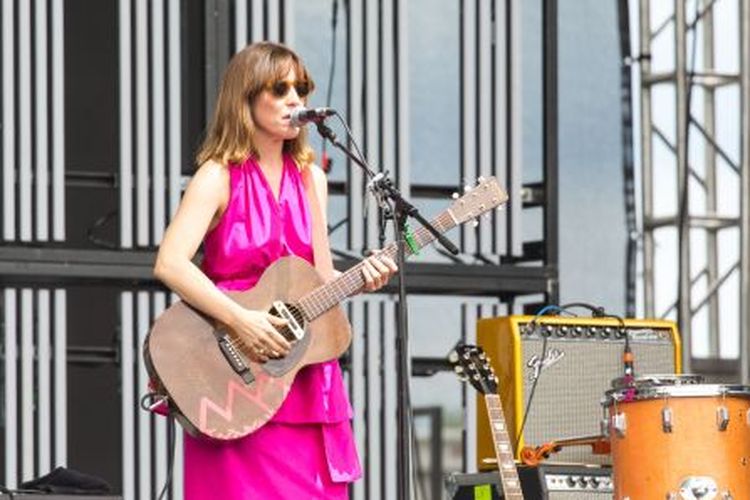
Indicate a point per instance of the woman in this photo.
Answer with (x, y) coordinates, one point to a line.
(256, 197)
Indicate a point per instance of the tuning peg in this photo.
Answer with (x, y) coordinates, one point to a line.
(500, 208)
(458, 369)
(486, 215)
(453, 357)
(467, 188)
(455, 196)
(480, 179)
(474, 222)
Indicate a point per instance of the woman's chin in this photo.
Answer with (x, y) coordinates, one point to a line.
(290, 133)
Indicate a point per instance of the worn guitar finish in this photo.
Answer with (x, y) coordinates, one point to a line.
(202, 369)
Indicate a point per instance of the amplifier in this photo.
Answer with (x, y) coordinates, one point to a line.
(566, 482)
(573, 361)
(543, 482)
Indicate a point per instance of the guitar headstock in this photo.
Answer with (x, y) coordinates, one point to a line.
(483, 197)
(472, 365)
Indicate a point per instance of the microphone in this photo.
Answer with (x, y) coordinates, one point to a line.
(301, 116)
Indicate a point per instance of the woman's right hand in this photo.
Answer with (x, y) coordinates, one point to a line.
(257, 331)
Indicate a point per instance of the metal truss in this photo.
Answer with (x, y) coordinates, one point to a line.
(706, 262)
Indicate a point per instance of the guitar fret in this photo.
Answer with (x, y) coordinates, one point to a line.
(326, 296)
(503, 449)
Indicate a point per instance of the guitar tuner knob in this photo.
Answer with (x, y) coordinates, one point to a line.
(474, 223)
(455, 196)
(480, 178)
(467, 188)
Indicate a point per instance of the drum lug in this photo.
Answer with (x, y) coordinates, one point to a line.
(604, 427)
(666, 419)
(619, 424)
(722, 418)
(698, 488)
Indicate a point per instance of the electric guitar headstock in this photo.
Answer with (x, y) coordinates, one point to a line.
(472, 365)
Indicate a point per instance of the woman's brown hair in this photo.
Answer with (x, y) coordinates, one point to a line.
(229, 138)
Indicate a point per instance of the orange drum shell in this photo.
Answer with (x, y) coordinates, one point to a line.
(649, 463)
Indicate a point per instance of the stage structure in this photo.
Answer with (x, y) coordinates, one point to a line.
(695, 163)
(103, 104)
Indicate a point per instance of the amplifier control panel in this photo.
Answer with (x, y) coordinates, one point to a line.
(578, 482)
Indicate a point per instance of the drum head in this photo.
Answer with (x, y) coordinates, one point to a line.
(668, 386)
(663, 379)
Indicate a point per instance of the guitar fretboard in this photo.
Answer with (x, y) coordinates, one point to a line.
(503, 449)
(352, 281)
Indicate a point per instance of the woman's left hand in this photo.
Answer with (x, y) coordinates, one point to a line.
(377, 269)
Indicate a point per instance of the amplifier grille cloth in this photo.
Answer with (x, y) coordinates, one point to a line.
(568, 394)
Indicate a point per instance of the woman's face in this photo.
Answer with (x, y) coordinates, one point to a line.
(273, 107)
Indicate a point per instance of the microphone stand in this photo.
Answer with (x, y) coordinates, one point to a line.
(402, 209)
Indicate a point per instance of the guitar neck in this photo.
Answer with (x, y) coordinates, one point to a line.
(352, 281)
(503, 449)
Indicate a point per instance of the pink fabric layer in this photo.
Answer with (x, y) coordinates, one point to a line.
(307, 449)
(278, 461)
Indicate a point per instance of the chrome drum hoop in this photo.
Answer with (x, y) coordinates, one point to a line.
(658, 379)
(617, 396)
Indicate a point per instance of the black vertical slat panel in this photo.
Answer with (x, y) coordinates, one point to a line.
(550, 141)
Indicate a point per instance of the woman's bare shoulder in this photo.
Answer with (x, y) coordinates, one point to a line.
(212, 171)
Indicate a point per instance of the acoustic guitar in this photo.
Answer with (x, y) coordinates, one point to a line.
(202, 370)
(472, 365)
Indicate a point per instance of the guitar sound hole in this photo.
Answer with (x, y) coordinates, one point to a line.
(292, 315)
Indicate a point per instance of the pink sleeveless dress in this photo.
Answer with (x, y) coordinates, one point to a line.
(306, 451)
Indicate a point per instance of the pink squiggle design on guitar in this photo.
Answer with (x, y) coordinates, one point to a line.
(263, 383)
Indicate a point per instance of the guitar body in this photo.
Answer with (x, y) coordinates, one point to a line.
(207, 395)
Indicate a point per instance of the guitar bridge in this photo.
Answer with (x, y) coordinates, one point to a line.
(233, 357)
(294, 330)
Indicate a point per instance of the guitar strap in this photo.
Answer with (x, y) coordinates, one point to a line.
(321, 247)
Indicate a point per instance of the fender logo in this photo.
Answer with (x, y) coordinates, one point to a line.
(537, 364)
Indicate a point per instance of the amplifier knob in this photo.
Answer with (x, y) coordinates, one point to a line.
(591, 332)
(582, 482)
(571, 481)
(562, 331)
(578, 331)
(548, 330)
(620, 333)
(606, 332)
(594, 482)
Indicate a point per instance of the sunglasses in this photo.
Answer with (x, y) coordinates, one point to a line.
(281, 88)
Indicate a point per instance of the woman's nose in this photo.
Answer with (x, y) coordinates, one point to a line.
(293, 99)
